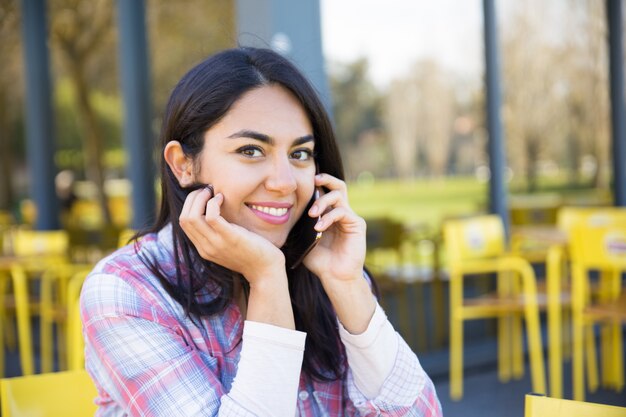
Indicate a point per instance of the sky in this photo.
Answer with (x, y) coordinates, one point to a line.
(393, 34)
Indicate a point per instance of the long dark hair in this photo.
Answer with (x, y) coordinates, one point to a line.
(199, 100)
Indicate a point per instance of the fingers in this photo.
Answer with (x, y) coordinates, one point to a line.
(336, 197)
(200, 218)
(334, 208)
(335, 202)
(196, 202)
(213, 216)
(345, 218)
(332, 183)
(331, 199)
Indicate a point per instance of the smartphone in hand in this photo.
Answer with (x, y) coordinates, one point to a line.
(317, 238)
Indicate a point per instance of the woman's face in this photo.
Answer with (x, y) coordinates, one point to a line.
(260, 157)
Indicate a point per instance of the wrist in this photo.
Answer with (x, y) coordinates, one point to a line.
(268, 282)
(269, 301)
(335, 286)
(268, 271)
(353, 302)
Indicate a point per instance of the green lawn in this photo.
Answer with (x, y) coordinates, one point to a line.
(427, 202)
(418, 202)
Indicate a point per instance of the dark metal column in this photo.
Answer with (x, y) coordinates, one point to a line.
(39, 120)
(616, 70)
(497, 159)
(290, 27)
(138, 137)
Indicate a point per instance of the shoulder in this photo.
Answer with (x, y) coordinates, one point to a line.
(122, 284)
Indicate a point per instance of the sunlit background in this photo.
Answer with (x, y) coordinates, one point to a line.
(407, 87)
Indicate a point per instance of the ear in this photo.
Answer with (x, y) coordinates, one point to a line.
(179, 163)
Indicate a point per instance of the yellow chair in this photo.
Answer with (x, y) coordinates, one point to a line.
(52, 310)
(599, 243)
(42, 255)
(39, 249)
(34, 252)
(558, 282)
(477, 246)
(75, 341)
(541, 244)
(121, 210)
(540, 406)
(68, 394)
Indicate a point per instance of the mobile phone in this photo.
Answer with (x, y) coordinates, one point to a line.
(317, 238)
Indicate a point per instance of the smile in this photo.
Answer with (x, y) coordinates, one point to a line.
(272, 211)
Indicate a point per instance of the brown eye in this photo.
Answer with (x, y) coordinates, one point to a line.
(250, 151)
(302, 154)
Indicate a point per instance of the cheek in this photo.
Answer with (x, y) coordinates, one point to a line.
(233, 204)
(305, 193)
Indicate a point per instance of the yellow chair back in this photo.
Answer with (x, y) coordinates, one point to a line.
(601, 247)
(68, 394)
(539, 406)
(86, 214)
(568, 217)
(588, 229)
(474, 238)
(32, 243)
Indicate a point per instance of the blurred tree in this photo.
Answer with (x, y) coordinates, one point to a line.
(587, 81)
(400, 114)
(87, 99)
(181, 35)
(531, 91)
(11, 97)
(357, 114)
(82, 30)
(356, 101)
(556, 104)
(436, 115)
(419, 116)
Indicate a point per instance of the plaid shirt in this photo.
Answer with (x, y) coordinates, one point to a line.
(148, 358)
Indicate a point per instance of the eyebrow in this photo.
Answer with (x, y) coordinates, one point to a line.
(268, 139)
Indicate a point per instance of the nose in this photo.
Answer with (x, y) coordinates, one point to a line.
(282, 177)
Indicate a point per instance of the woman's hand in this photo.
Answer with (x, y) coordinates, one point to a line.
(240, 250)
(340, 254)
(225, 243)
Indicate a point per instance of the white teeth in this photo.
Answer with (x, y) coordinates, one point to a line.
(272, 211)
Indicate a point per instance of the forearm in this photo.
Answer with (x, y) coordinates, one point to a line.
(268, 371)
(353, 302)
(269, 301)
(371, 354)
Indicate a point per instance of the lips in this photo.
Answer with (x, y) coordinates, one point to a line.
(273, 213)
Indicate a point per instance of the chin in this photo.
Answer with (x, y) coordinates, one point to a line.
(278, 241)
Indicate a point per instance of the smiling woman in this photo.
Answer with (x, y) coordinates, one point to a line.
(220, 307)
(265, 143)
